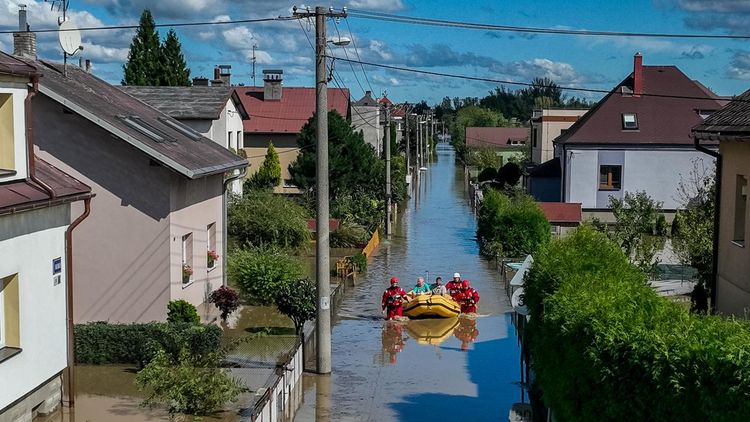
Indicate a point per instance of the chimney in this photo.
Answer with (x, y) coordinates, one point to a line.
(200, 81)
(272, 81)
(637, 75)
(225, 73)
(217, 81)
(88, 66)
(24, 41)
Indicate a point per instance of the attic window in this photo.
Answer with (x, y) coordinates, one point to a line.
(136, 123)
(181, 128)
(629, 121)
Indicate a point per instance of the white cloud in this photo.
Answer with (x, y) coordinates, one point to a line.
(100, 54)
(380, 50)
(170, 9)
(739, 68)
(387, 5)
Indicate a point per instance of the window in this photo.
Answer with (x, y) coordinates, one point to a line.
(533, 137)
(629, 121)
(240, 143)
(230, 143)
(187, 258)
(740, 207)
(7, 137)
(211, 253)
(610, 177)
(10, 335)
(179, 127)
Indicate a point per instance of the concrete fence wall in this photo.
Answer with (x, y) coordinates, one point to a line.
(283, 398)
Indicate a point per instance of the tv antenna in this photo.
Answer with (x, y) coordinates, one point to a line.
(254, 47)
(68, 33)
(62, 6)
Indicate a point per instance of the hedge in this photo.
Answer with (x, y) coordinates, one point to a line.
(604, 346)
(101, 342)
(511, 226)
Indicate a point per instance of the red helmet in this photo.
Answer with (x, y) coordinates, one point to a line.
(394, 280)
(466, 284)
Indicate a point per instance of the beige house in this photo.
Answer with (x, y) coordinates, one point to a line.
(546, 125)
(159, 189)
(730, 127)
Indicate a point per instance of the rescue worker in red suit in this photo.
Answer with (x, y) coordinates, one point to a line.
(468, 298)
(393, 300)
(466, 332)
(454, 286)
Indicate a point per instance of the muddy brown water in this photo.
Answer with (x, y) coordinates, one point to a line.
(422, 370)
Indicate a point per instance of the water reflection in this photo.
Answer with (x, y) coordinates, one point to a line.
(393, 340)
(466, 332)
(431, 331)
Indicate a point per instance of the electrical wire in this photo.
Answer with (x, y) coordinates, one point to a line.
(356, 50)
(336, 26)
(363, 14)
(279, 153)
(162, 25)
(529, 84)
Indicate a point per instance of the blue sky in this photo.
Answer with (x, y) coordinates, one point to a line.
(578, 61)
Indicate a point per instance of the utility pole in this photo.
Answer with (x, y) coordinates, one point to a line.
(322, 251)
(408, 146)
(419, 143)
(254, 47)
(388, 209)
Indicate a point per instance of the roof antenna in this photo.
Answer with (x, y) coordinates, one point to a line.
(68, 33)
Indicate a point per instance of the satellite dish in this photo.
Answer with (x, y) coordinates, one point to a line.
(70, 37)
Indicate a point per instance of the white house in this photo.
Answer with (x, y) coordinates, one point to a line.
(637, 138)
(35, 223)
(366, 118)
(215, 112)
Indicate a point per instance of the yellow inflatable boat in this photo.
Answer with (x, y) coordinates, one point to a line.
(431, 306)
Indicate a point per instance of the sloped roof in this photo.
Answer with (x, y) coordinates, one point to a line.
(289, 114)
(186, 102)
(732, 120)
(550, 168)
(495, 136)
(561, 212)
(366, 101)
(25, 193)
(10, 65)
(183, 151)
(603, 123)
(385, 101)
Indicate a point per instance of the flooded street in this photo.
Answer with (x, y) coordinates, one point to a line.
(421, 370)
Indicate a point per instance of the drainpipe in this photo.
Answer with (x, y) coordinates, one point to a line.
(69, 287)
(224, 234)
(33, 89)
(717, 212)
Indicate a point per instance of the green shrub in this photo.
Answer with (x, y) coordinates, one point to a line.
(488, 174)
(349, 235)
(511, 226)
(103, 343)
(259, 272)
(195, 385)
(182, 311)
(262, 218)
(360, 260)
(268, 175)
(604, 346)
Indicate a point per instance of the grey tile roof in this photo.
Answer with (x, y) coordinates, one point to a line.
(10, 65)
(161, 137)
(733, 119)
(184, 102)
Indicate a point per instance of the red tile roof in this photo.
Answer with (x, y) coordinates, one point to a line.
(561, 212)
(494, 136)
(289, 114)
(661, 120)
(385, 101)
(22, 193)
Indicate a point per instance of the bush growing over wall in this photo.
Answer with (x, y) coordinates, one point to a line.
(262, 218)
(260, 272)
(102, 343)
(511, 226)
(604, 346)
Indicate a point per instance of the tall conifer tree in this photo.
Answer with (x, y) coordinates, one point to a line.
(174, 69)
(143, 66)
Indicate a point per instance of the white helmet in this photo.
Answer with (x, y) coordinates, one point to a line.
(456, 275)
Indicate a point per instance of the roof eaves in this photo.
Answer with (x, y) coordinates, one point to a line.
(117, 132)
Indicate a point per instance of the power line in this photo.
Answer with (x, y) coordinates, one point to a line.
(171, 25)
(356, 50)
(529, 84)
(362, 14)
(336, 25)
(279, 153)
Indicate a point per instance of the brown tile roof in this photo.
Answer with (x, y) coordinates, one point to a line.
(182, 150)
(10, 65)
(661, 119)
(27, 194)
(732, 120)
(561, 212)
(289, 114)
(333, 224)
(495, 136)
(186, 102)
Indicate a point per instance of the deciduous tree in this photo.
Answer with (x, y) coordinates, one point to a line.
(297, 300)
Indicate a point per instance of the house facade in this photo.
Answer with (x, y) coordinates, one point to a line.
(507, 142)
(158, 208)
(730, 127)
(366, 118)
(626, 144)
(215, 112)
(546, 125)
(35, 223)
(277, 115)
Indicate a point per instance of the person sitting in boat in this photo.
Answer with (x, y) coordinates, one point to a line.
(468, 298)
(393, 300)
(438, 288)
(420, 288)
(454, 286)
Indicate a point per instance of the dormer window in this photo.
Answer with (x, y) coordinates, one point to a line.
(7, 137)
(629, 121)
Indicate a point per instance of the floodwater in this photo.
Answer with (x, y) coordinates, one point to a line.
(422, 370)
